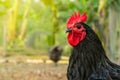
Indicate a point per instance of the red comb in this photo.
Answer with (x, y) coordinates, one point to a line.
(76, 18)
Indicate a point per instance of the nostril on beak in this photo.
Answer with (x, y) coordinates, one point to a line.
(68, 30)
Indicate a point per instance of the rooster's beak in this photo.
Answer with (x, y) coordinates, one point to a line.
(68, 30)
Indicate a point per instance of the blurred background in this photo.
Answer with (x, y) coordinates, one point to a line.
(29, 29)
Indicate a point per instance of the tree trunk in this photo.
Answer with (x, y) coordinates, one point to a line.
(4, 40)
(114, 32)
(12, 21)
(25, 19)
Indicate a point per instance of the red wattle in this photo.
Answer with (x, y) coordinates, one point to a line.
(74, 39)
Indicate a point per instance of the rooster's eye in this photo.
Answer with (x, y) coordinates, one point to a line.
(79, 26)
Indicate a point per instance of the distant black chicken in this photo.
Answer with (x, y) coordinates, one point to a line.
(88, 60)
(55, 54)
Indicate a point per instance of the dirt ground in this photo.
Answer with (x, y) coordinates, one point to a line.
(32, 71)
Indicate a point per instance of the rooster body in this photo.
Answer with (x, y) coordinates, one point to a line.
(88, 60)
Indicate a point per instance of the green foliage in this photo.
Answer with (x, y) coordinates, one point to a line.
(48, 3)
(1, 35)
(115, 4)
(46, 20)
(3, 7)
(51, 40)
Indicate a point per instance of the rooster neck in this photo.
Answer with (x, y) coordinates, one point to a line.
(85, 57)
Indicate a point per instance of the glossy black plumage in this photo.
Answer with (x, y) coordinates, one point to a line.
(88, 60)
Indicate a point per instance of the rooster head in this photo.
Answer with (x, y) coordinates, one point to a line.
(76, 30)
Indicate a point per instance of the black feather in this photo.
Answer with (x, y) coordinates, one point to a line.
(88, 60)
(55, 54)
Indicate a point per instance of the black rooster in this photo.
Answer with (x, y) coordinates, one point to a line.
(88, 60)
(55, 54)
